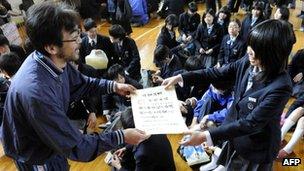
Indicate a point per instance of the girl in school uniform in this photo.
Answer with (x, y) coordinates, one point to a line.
(208, 39)
(262, 88)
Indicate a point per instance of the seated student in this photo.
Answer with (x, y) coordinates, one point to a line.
(169, 7)
(166, 61)
(167, 33)
(296, 71)
(232, 47)
(95, 41)
(113, 103)
(192, 63)
(296, 116)
(188, 23)
(251, 20)
(153, 154)
(223, 19)
(126, 49)
(214, 104)
(208, 39)
(5, 47)
(9, 65)
(82, 112)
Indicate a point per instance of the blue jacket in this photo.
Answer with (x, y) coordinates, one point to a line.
(35, 125)
(223, 100)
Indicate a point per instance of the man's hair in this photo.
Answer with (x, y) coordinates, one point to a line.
(272, 42)
(3, 40)
(117, 31)
(46, 21)
(161, 52)
(89, 23)
(114, 70)
(10, 63)
(192, 6)
(126, 118)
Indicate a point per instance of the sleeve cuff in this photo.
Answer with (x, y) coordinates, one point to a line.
(111, 87)
(208, 138)
(120, 137)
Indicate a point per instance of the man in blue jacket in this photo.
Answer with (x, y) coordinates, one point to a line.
(36, 131)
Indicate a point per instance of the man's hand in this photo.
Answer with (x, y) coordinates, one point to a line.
(202, 51)
(115, 162)
(92, 120)
(298, 77)
(196, 138)
(134, 136)
(172, 81)
(124, 89)
(182, 107)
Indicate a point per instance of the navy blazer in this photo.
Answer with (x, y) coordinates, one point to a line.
(164, 38)
(209, 41)
(230, 53)
(253, 121)
(128, 57)
(103, 43)
(246, 26)
(188, 24)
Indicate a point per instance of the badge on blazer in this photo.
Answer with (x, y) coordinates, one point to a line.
(251, 99)
(250, 105)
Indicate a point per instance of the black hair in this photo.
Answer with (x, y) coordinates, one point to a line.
(46, 21)
(272, 42)
(171, 20)
(226, 86)
(161, 52)
(117, 31)
(114, 70)
(3, 40)
(226, 11)
(258, 6)
(192, 6)
(88, 24)
(284, 13)
(10, 63)
(126, 118)
(237, 21)
(193, 63)
(210, 12)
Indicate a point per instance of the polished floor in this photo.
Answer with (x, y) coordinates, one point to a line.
(145, 38)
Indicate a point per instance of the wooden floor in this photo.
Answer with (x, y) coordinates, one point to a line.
(145, 38)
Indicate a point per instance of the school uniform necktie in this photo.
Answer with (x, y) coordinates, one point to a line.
(93, 44)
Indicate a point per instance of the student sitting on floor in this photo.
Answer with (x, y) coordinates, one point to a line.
(113, 103)
(167, 62)
(155, 153)
(213, 105)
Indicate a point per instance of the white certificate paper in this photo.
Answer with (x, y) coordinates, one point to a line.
(156, 111)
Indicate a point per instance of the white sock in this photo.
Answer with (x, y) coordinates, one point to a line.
(210, 166)
(286, 126)
(296, 136)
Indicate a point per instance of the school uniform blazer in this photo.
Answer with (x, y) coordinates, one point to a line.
(209, 41)
(253, 121)
(164, 38)
(128, 57)
(230, 53)
(103, 43)
(246, 26)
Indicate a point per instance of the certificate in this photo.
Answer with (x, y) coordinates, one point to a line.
(156, 111)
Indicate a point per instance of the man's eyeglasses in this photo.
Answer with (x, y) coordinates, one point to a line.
(76, 38)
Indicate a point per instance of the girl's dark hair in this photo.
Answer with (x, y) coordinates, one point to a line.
(193, 63)
(117, 31)
(226, 11)
(46, 21)
(210, 12)
(161, 52)
(284, 13)
(171, 20)
(237, 21)
(114, 70)
(272, 42)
